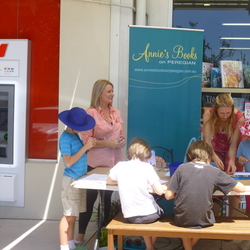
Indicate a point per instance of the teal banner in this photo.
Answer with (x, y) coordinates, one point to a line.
(164, 100)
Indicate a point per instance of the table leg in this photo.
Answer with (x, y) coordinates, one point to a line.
(100, 217)
(110, 240)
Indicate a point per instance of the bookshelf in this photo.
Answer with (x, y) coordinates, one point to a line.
(209, 94)
(226, 90)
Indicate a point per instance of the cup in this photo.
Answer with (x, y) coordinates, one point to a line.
(166, 167)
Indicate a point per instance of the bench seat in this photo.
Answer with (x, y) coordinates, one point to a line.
(225, 228)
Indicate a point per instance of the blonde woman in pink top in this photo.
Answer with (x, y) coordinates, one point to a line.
(221, 131)
(110, 140)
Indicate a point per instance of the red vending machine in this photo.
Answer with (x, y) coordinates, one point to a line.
(14, 82)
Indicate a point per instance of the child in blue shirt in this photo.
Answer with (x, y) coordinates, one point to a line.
(75, 162)
(243, 156)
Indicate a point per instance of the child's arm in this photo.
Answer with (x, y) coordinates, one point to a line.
(240, 188)
(158, 188)
(241, 160)
(169, 194)
(69, 160)
(111, 182)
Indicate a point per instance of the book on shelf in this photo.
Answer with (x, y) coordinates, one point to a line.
(232, 74)
(239, 103)
(246, 73)
(206, 74)
(215, 78)
(247, 110)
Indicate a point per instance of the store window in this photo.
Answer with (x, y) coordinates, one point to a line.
(226, 31)
(226, 57)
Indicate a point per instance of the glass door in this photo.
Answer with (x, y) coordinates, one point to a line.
(6, 123)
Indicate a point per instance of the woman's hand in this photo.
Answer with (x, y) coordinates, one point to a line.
(121, 142)
(218, 162)
(231, 167)
(113, 143)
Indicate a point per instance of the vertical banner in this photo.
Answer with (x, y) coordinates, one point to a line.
(165, 74)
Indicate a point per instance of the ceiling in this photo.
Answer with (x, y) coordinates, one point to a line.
(214, 5)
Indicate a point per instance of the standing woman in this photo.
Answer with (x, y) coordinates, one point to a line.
(110, 140)
(221, 131)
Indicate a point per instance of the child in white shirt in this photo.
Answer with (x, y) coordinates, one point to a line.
(133, 177)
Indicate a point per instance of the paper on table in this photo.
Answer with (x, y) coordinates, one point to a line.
(94, 179)
(241, 173)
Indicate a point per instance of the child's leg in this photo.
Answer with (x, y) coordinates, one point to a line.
(153, 240)
(63, 231)
(71, 230)
(234, 201)
(194, 241)
(66, 229)
(149, 242)
(247, 197)
(188, 243)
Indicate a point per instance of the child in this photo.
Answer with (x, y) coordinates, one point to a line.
(133, 177)
(243, 155)
(193, 185)
(75, 163)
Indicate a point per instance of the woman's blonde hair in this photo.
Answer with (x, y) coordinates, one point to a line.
(222, 100)
(138, 149)
(199, 151)
(98, 87)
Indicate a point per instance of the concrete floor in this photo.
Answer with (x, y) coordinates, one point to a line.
(38, 235)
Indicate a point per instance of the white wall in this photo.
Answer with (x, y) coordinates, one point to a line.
(93, 45)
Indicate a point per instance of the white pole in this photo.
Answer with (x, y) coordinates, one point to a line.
(140, 12)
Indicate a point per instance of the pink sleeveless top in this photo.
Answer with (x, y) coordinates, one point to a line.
(220, 141)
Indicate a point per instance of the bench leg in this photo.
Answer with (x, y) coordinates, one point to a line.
(120, 242)
(110, 240)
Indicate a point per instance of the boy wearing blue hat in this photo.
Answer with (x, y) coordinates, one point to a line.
(75, 161)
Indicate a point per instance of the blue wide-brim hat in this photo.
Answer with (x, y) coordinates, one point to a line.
(77, 119)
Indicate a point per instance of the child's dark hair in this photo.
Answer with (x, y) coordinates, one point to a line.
(138, 149)
(199, 151)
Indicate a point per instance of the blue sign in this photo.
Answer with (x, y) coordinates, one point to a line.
(165, 74)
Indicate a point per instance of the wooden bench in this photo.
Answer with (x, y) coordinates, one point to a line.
(225, 228)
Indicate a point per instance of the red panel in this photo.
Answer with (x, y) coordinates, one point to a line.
(38, 21)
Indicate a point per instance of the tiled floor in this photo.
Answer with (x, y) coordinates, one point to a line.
(33, 234)
(37, 235)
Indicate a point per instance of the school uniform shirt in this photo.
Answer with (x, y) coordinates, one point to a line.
(194, 185)
(133, 179)
(70, 144)
(104, 130)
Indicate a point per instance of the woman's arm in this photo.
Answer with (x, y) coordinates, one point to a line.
(233, 146)
(207, 133)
